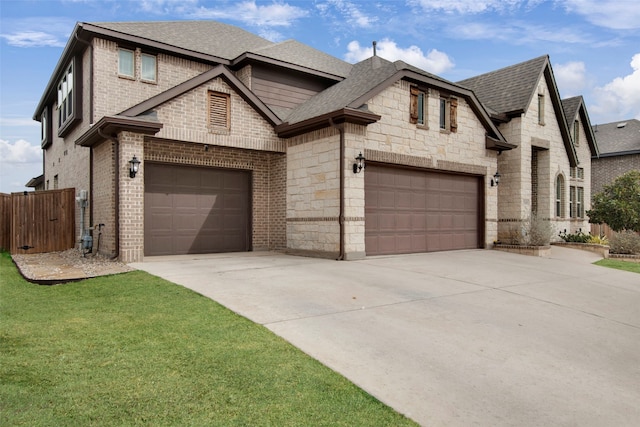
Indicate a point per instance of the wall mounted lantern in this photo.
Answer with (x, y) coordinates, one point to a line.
(134, 165)
(357, 167)
(496, 179)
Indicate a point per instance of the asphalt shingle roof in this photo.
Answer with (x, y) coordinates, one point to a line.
(570, 107)
(508, 89)
(228, 42)
(618, 137)
(208, 37)
(364, 76)
(294, 52)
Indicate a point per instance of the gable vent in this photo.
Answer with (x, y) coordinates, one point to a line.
(219, 110)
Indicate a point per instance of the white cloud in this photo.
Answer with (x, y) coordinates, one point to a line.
(470, 6)
(276, 14)
(355, 17)
(19, 152)
(571, 78)
(33, 39)
(614, 14)
(620, 98)
(434, 61)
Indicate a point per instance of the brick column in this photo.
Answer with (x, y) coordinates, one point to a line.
(131, 198)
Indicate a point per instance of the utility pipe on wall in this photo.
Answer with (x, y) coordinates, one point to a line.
(340, 129)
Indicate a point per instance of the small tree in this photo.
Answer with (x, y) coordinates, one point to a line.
(618, 205)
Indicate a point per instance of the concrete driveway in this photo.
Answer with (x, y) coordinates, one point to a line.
(452, 338)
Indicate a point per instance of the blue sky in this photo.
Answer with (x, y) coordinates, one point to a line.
(594, 46)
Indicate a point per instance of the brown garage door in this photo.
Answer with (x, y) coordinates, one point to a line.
(409, 211)
(192, 210)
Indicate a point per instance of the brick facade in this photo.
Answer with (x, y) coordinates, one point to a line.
(606, 169)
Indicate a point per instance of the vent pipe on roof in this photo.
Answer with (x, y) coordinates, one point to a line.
(374, 48)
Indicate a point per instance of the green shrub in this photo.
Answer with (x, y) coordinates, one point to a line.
(578, 237)
(625, 242)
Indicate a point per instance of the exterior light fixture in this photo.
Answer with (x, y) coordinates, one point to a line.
(134, 165)
(496, 179)
(357, 167)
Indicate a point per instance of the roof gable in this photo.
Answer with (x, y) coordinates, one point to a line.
(373, 75)
(574, 109)
(219, 71)
(508, 90)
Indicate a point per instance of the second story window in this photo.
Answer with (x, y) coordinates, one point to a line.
(418, 109)
(449, 114)
(541, 109)
(65, 96)
(148, 67)
(45, 128)
(126, 63)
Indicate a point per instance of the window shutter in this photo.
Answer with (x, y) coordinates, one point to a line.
(453, 115)
(414, 105)
(219, 110)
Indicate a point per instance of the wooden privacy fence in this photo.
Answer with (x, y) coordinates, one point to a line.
(5, 222)
(42, 221)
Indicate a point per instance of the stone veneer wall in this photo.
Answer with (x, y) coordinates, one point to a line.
(515, 190)
(313, 193)
(394, 140)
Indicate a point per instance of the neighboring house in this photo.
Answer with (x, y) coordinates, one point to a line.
(619, 144)
(548, 175)
(246, 144)
(37, 183)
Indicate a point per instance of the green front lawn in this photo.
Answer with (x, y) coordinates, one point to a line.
(633, 267)
(134, 349)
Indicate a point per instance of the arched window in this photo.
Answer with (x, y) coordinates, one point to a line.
(560, 196)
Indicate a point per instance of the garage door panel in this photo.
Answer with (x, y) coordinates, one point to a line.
(429, 211)
(196, 210)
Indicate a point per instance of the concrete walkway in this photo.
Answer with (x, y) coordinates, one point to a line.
(452, 338)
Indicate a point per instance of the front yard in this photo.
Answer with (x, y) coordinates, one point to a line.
(133, 349)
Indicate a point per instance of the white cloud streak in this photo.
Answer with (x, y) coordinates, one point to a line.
(355, 17)
(33, 39)
(276, 14)
(433, 61)
(471, 6)
(612, 14)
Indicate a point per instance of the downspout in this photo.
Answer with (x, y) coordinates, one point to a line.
(340, 129)
(116, 185)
